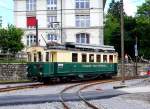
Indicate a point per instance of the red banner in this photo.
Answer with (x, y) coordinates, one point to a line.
(31, 21)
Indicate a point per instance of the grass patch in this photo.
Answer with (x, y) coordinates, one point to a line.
(13, 61)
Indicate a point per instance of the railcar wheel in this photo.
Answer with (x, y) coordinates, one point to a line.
(87, 77)
(66, 79)
(47, 80)
(107, 76)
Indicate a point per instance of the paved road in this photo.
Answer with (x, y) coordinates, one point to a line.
(35, 99)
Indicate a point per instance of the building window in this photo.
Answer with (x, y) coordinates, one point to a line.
(51, 21)
(74, 57)
(31, 5)
(82, 21)
(91, 57)
(52, 4)
(83, 38)
(52, 37)
(82, 4)
(31, 40)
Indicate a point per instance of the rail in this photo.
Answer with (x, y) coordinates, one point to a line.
(20, 87)
(85, 85)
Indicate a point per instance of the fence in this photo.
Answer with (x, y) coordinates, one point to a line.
(10, 58)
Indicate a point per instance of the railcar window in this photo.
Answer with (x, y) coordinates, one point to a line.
(115, 57)
(35, 57)
(104, 58)
(29, 57)
(83, 57)
(110, 58)
(74, 57)
(91, 57)
(47, 56)
(98, 58)
(39, 56)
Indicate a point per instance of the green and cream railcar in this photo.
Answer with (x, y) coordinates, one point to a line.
(47, 64)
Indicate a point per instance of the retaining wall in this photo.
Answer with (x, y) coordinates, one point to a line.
(18, 71)
(13, 72)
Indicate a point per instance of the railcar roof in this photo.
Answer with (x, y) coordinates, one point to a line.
(82, 47)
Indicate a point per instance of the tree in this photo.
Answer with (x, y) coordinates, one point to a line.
(112, 29)
(137, 26)
(110, 26)
(143, 13)
(114, 9)
(130, 28)
(112, 21)
(11, 39)
(143, 25)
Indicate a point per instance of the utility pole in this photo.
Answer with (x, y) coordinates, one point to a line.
(61, 31)
(122, 42)
(37, 38)
(136, 55)
(1, 21)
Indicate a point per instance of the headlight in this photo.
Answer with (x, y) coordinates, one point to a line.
(40, 73)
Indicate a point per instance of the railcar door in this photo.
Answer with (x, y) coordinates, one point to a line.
(53, 62)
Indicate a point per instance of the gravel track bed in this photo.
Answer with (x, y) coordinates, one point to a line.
(136, 100)
(113, 103)
(16, 84)
(52, 89)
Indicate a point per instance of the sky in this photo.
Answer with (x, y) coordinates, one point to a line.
(130, 6)
(6, 9)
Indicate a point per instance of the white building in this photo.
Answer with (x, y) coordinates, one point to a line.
(82, 21)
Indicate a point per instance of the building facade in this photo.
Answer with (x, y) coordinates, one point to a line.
(78, 21)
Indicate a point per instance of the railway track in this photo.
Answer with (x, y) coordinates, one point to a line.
(40, 85)
(63, 91)
(85, 85)
(8, 89)
(84, 100)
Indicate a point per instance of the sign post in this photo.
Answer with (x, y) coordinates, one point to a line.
(136, 55)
